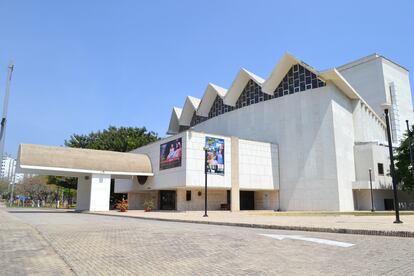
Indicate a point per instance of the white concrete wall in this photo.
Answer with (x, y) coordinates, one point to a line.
(368, 156)
(342, 112)
(215, 199)
(258, 165)
(372, 78)
(301, 125)
(368, 80)
(124, 185)
(100, 192)
(364, 199)
(195, 162)
(83, 193)
(162, 179)
(367, 126)
(266, 200)
(136, 200)
(399, 78)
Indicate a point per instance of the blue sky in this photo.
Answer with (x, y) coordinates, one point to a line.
(81, 66)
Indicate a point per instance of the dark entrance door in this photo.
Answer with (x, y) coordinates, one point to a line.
(167, 200)
(246, 200)
(388, 204)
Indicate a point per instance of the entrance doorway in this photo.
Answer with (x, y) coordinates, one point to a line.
(388, 204)
(114, 198)
(167, 200)
(246, 200)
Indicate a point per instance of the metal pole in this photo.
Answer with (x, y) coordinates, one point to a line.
(13, 183)
(5, 108)
(205, 183)
(392, 170)
(370, 184)
(409, 132)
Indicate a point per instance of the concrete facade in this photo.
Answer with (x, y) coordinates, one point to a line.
(325, 138)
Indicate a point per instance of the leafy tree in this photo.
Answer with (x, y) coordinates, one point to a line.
(35, 188)
(121, 139)
(403, 164)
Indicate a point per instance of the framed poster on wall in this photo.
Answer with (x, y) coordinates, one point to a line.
(171, 154)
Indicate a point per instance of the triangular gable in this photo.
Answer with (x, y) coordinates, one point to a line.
(212, 91)
(281, 70)
(174, 125)
(238, 85)
(191, 104)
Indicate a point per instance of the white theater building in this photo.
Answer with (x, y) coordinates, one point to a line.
(301, 139)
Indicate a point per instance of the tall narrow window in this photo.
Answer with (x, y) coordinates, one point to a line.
(188, 195)
(380, 169)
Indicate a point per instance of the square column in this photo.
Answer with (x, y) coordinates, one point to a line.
(100, 192)
(235, 189)
(93, 192)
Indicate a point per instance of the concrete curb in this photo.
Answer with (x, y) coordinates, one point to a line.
(403, 234)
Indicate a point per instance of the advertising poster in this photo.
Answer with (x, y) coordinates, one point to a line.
(215, 155)
(170, 154)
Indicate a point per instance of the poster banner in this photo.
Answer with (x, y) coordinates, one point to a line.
(170, 154)
(215, 155)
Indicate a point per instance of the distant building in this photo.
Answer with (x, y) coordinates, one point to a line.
(8, 170)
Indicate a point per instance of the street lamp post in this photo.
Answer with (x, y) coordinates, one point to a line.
(392, 168)
(372, 197)
(410, 134)
(205, 181)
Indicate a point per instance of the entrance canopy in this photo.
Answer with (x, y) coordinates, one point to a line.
(66, 161)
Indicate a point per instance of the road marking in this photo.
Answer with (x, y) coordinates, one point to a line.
(315, 240)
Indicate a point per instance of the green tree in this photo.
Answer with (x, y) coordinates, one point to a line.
(403, 165)
(121, 139)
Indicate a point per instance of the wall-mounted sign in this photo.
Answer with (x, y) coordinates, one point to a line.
(170, 154)
(215, 155)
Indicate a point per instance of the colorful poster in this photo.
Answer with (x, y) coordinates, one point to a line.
(215, 155)
(170, 154)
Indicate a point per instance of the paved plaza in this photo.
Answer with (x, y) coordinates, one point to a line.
(36, 242)
(378, 223)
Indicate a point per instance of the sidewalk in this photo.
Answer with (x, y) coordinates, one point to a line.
(24, 251)
(362, 223)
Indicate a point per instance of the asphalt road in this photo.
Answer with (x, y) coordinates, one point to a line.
(84, 244)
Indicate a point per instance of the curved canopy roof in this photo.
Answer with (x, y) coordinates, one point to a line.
(63, 161)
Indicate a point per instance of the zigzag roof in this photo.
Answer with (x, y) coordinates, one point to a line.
(174, 126)
(210, 94)
(238, 85)
(268, 86)
(191, 104)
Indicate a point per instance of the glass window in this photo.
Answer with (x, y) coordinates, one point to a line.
(188, 195)
(380, 169)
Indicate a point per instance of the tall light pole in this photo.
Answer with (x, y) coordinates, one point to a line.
(410, 134)
(370, 184)
(5, 108)
(386, 107)
(205, 180)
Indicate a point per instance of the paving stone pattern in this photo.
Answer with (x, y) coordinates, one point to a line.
(103, 245)
(23, 251)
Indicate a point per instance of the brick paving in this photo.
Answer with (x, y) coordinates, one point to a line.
(318, 222)
(104, 245)
(23, 251)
